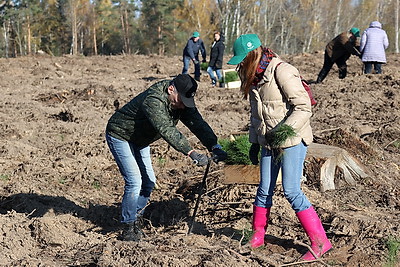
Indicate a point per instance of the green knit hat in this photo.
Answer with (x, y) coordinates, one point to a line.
(242, 46)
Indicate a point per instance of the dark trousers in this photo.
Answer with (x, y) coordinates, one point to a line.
(328, 63)
(368, 67)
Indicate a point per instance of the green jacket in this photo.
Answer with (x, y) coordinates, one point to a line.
(149, 117)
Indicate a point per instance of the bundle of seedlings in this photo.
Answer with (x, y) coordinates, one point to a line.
(276, 137)
(237, 149)
(238, 168)
(204, 66)
(230, 76)
(279, 135)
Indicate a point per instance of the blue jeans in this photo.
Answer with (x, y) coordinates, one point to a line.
(368, 67)
(134, 163)
(210, 71)
(291, 163)
(186, 62)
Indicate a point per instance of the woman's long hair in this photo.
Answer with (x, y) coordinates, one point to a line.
(247, 70)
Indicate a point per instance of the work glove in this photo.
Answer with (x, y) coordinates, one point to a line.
(253, 153)
(218, 153)
(198, 159)
(204, 60)
(195, 61)
(270, 137)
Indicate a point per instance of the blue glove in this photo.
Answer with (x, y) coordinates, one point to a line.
(198, 159)
(253, 153)
(218, 153)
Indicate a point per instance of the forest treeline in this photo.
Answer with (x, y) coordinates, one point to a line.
(162, 27)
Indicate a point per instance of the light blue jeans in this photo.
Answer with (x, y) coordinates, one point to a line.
(291, 163)
(186, 63)
(210, 71)
(134, 163)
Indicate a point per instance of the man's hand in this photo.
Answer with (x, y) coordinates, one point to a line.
(195, 61)
(204, 60)
(253, 153)
(219, 154)
(198, 159)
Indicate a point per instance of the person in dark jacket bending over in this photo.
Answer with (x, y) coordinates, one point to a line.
(338, 51)
(216, 59)
(191, 53)
(152, 115)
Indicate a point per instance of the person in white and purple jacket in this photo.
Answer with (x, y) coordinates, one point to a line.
(374, 42)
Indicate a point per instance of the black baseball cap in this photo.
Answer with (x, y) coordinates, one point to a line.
(186, 87)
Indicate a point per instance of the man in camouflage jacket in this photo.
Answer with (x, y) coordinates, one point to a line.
(152, 115)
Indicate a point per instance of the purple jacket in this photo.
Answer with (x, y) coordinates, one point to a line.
(373, 43)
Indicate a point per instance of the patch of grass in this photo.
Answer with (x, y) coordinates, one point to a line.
(396, 144)
(247, 234)
(393, 246)
(4, 177)
(237, 150)
(96, 184)
(243, 235)
(161, 161)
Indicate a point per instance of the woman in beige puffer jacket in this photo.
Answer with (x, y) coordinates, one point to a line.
(280, 126)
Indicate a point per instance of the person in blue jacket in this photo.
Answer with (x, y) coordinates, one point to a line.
(191, 53)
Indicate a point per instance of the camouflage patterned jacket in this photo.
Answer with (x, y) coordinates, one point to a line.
(149, 117)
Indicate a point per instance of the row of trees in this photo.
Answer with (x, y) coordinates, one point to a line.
(92, 27)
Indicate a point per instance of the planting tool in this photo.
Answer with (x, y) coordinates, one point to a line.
(203, 183)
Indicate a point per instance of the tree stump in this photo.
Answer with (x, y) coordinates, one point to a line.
(330, 158)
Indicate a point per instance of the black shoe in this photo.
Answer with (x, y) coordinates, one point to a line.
(132, 232)
(197, 79)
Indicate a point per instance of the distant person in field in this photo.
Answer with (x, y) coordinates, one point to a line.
(338, 52)
(216, 60)
(191, 53)
(280, 112)
(151, 115)
(374, 42)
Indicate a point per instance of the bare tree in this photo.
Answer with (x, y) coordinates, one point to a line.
(396, 27)
(72, 6)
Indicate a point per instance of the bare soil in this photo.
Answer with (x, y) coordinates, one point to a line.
(60, 189)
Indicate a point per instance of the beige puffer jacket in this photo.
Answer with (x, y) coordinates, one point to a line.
(287, 103)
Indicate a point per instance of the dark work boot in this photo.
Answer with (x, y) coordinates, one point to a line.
(321, 76)
(342, 72)
(132, 232)
(197, 78)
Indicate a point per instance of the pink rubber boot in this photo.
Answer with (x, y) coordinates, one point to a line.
(260, 223)
(312, 225)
